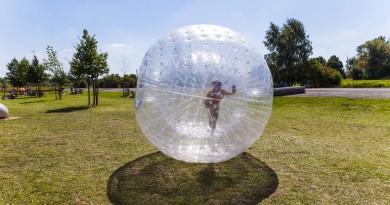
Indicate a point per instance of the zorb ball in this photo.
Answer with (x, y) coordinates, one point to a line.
(204, 94)
(3, 111)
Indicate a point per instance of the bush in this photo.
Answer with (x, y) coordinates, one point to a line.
(320, 76)
(356, 73)
(330, 77)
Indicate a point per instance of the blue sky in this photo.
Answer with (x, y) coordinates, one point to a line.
(126, 29)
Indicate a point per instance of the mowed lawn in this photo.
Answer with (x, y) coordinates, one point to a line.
(323, 150)
(349, 83)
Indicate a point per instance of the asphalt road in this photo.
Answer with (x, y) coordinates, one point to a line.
(348, 92)
(323, 92)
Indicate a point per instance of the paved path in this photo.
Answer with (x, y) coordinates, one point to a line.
(348, 92)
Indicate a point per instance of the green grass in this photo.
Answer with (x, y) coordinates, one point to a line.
(328, 150)
(349, 83)
(323, 151)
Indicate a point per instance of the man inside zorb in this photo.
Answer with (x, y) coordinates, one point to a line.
(213, 98)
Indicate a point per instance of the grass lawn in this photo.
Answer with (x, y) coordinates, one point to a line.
(349, 83)
(322, 150)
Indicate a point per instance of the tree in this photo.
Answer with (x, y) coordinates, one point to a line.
(335, 63)
(23, 67)
(321, 60)
(116, 81)
(290, 49)
(353, 73)
(318, 75)
(76, 81)
(132, 79)
(89, 64)
(12, 74)
(110, 81)
(36, 73)
(55, 67)
(372, 60)
(349, 63)
(17, 72)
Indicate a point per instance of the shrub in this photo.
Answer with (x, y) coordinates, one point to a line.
(330, 77)
(318, 75)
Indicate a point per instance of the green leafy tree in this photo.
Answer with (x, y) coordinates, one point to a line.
(77, 82)
(372, 60)
(318, 75)
(23, 68)
(132, 79)
(290, 49)
(17, 72)
(89, 64)
(349, 63)
(116, 81)
(12, 74)
(321, 60)
(351, 72)
(110, 81)
(55, 67)
(36, 73)
(335, 63)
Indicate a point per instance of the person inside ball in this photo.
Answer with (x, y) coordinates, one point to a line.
(213, 98)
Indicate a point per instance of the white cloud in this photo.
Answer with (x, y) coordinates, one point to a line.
(117, 45)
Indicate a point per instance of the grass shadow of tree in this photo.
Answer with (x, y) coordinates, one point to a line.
(68, 109)
(159, 179)
(38, 101)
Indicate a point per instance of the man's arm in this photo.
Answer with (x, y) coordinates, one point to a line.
(225, 92)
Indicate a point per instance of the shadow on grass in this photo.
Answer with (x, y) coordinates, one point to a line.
(68, 109)
(38, 101)
(159, 179)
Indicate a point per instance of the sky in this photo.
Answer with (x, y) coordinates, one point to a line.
(127, 29)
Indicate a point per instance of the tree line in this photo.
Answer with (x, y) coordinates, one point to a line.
(290, 61)
(86, 66)
(117, 81)
(289, 58)
(372, 60)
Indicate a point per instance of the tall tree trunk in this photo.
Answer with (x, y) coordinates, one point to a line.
(55, 91)
(93, 92)
(60, 91)
(89, 97)
(97, 93)
(39, 91)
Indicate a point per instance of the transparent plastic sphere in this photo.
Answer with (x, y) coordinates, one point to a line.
(3, 111)
(185, 101)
